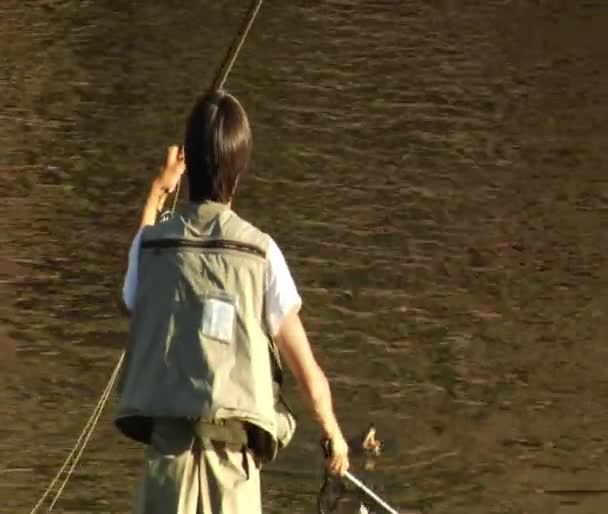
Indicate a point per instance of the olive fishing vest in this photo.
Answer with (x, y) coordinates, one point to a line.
(198, 343)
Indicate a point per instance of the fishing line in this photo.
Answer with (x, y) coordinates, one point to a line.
(81, 443)
(85, 435)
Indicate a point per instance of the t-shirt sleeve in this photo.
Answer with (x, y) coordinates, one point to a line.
(282, 296)
(129, 289)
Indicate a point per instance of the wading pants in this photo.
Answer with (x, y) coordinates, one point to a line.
(191, 471)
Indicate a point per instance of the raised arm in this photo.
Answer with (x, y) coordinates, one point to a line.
(163, 184)
(314, 387)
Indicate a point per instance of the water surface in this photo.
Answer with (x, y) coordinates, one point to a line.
(435, 173)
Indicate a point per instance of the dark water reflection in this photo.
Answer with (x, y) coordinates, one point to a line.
(436, 176)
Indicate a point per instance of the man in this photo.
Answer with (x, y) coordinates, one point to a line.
(212, 300)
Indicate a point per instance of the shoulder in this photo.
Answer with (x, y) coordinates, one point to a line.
(282, 295)
(160, 230)
(279, 271)
(274, 252)
(241, 229)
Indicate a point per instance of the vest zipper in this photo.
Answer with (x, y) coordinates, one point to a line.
(221, 244)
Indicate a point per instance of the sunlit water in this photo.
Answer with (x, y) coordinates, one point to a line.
(436, 175)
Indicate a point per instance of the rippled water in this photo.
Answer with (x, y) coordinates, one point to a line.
(436, 175)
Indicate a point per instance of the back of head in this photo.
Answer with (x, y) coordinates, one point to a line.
(217, 147)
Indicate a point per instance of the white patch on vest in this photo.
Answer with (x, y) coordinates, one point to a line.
(218, 319)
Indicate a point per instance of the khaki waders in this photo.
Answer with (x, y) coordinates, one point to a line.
(198, 469)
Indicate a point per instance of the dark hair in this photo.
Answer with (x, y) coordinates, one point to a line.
(218, 147)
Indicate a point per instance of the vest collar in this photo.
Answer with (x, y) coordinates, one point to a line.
(204, 210)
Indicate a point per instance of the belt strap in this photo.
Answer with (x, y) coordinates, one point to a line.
(229, 431)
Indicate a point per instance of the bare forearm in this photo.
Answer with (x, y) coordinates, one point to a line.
(154, 203)
(317, 395)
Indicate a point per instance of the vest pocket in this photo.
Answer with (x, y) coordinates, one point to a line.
(218, 319)
(204, 337)
(286, 421)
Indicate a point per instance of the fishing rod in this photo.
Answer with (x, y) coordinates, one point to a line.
(85, 435)
(225, 68)
(327, 506)
(371, 494)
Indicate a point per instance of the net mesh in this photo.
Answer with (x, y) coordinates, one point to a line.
(336, 498)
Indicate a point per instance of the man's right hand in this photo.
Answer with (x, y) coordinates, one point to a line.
(337, 462)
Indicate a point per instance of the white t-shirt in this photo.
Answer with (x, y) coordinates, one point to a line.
(282, 296)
